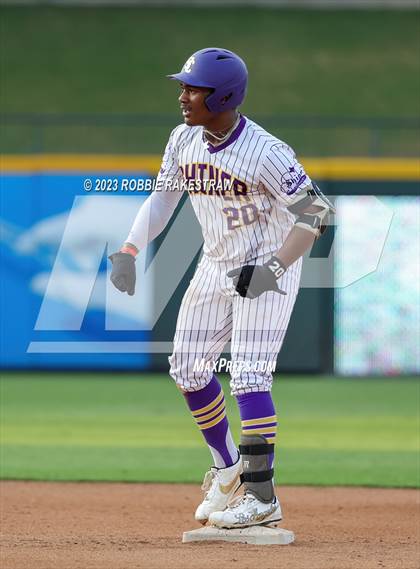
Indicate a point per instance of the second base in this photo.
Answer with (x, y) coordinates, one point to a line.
(257, 535)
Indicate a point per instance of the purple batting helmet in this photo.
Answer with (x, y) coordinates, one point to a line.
(220, 70)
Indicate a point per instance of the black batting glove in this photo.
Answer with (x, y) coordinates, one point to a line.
(251, 281)
(123, 275)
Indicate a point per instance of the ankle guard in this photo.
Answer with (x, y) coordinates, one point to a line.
(257, 475)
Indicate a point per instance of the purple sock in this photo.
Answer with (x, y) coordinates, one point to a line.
(258, 416)
(208, 409)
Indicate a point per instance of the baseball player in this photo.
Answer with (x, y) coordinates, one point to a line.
(259, 212)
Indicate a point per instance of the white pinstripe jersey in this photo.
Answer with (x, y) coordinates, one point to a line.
(249, 219)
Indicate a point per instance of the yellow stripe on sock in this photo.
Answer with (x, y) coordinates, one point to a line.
(270, 439)
(208, 416)
(257, 431)
(214, 422)
(261, 421)
(210, 406)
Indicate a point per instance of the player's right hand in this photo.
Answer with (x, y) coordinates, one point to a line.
(123, 275)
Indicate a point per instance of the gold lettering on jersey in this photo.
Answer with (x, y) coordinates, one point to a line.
(204, 178)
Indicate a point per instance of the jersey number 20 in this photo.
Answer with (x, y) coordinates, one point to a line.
(245, 215)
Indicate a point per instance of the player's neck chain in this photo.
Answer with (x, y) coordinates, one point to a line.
(222, 136)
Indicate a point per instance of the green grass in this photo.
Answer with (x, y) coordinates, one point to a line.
(114, 60)
(331, 431)
(322, 62)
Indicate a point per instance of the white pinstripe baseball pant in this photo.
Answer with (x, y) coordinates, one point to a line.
(212, 313)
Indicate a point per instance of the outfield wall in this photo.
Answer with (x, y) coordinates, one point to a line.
(51, 224)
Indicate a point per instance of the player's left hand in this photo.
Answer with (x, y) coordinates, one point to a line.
(251, 281)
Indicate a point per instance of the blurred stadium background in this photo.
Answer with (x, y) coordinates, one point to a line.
(84, 95)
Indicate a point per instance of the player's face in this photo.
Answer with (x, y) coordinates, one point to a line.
(193, 107)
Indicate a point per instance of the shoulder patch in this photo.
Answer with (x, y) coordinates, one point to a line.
(292, 180)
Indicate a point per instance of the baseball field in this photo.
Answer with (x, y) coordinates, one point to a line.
(103, 471)
(129, 460)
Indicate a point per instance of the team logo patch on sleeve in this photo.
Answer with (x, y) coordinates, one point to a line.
(293, 179)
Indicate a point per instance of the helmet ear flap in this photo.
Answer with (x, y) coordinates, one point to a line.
(208, 97)
(225, 99)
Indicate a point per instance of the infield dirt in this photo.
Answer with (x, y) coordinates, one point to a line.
(126, 526)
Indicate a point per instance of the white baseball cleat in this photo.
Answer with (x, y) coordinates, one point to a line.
(246, 511)
(220, 484)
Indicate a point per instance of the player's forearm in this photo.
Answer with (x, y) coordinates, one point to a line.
(152, 218)
(297, 243)
(146, 226)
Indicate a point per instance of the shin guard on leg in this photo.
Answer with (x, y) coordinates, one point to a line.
(256, 462)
